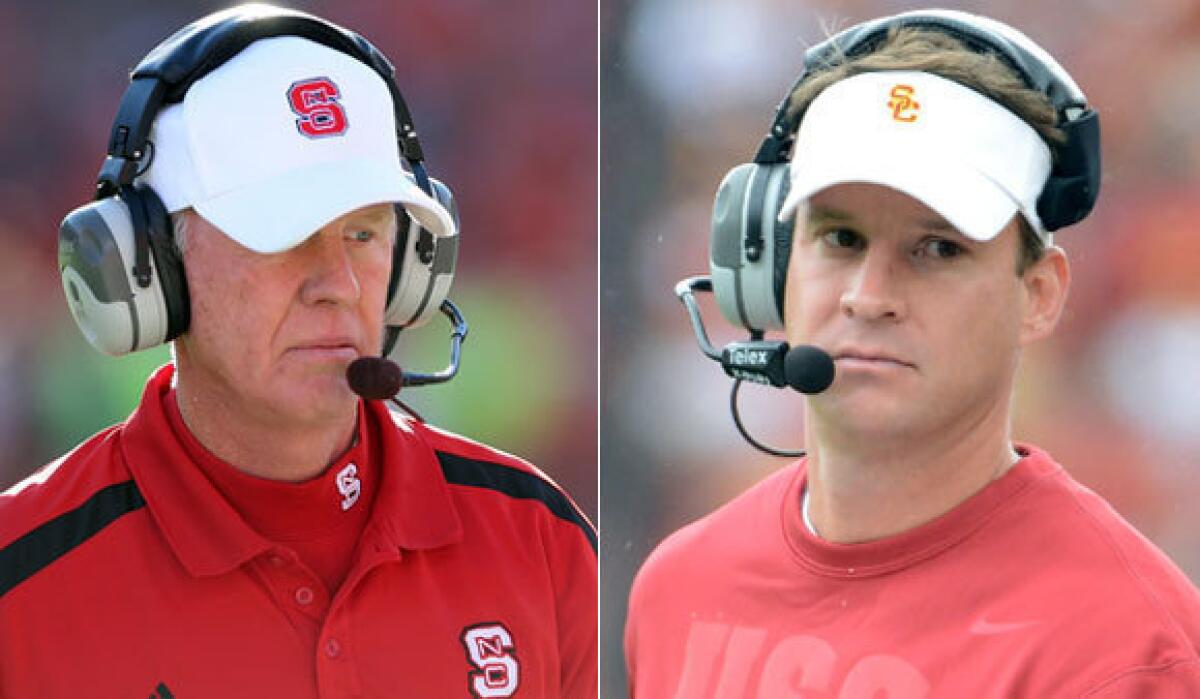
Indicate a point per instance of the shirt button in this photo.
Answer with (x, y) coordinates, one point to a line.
(332, 648)
(277, 560)
(304, 596)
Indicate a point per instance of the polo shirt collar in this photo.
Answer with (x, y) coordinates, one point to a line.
(205, 531)
(413, 509)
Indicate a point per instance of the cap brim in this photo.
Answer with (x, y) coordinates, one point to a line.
(266, 218)
(971, 202)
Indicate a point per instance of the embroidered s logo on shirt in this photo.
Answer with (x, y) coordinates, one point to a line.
(491, 650)
(902, 104)
(349, 485)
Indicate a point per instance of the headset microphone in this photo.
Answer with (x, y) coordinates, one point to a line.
(807, 369)
(374, 378)
(379, 378)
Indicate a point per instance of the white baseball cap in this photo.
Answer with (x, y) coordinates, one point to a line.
(280, 140)
(966, 157)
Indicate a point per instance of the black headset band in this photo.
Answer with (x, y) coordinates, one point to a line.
(171, 68)
(1031, 69)
(201, 47)
(866, 37)
(1074, 183)
(130, 130)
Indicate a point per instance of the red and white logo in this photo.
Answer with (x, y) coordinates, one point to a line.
(315, 100)
(349, 485)
(490, 649)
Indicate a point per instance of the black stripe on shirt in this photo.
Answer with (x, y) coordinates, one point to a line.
(23, 558)
(460, 470)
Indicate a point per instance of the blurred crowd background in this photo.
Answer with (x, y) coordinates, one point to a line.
(688, 88)
(504, 97)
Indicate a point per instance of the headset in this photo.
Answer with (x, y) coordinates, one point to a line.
(121, 270)
(750, 246)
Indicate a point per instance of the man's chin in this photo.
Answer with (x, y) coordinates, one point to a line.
(863, 412)
(317, 397)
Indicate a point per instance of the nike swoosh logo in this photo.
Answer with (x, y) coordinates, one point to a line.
(983, 627)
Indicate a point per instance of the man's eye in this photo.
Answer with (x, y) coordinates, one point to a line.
(843, 238)
(940, 248)
(363, 236)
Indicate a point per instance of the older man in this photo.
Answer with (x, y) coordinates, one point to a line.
(256, 528)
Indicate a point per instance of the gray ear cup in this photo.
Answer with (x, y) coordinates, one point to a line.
(745, 255)
(96, 252)
(422, 266)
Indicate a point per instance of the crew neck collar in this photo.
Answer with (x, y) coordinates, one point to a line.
(880, 556)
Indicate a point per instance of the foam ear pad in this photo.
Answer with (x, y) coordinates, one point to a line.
(1074, 183)
(96, 255)
(785, 231)
(168, 263)
(422, 266)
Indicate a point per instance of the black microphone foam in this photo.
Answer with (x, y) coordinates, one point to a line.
(808, 369)
(374, 378)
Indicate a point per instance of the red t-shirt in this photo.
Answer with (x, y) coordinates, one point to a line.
(124, 572)
(1033, 587)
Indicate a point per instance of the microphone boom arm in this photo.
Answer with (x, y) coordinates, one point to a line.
(686, 291)
(769, 362)
(457, 336)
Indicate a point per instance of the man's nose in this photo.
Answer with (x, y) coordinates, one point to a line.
(874, 292)
(331, 276)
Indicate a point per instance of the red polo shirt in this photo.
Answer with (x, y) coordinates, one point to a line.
(125, 572)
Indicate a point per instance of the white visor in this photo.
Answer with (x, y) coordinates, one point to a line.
(280, 140)
(962, 155)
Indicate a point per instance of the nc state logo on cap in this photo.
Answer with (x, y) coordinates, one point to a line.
(903, 106)
(315, 100)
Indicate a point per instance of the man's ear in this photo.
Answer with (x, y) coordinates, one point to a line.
(1046, 283)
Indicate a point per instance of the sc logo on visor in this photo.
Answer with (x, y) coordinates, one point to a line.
(904, 107)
